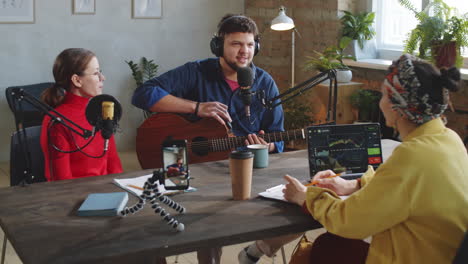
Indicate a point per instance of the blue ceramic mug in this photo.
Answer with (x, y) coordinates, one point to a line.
(260, 152)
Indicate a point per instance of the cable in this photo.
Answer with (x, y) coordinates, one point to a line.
(66, 151)
(77, 148)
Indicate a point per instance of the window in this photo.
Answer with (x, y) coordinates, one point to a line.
(394, 22)
(460, 5)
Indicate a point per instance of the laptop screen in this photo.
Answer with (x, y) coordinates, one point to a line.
(344, 148)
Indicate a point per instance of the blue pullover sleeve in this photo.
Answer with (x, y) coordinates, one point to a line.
(176, 82)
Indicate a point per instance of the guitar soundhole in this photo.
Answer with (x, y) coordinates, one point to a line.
(200, 146)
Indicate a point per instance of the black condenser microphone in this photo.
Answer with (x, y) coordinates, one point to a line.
(103, 112)
(245, 80)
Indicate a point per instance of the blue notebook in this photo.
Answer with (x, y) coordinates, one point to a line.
(103, 204)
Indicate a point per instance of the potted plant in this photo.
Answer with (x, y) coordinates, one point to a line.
(297, 115)
(332, 58)
(142, 72)
(359, 28)
(367, 104)
(440, 34)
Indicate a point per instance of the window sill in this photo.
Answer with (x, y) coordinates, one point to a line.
(379, 64)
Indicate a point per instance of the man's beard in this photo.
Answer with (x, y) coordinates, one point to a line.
(234, 66)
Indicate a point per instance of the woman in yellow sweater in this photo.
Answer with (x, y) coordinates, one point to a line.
(414, 206)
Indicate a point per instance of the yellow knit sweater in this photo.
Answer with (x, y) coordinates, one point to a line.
(415, 206)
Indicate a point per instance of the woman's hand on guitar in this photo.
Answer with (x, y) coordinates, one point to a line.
(214, 110)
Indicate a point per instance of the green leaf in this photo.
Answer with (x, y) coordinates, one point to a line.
(344, 42)
(143, 72)
(358, 27)
(439, 24)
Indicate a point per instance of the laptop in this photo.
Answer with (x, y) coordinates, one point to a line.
(345, 149)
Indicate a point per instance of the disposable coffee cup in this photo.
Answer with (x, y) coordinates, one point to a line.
(240, 166)
(260, 152)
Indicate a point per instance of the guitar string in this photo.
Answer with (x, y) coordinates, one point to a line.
(219, 141)
(225, 143)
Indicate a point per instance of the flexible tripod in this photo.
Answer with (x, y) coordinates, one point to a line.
(152, 194)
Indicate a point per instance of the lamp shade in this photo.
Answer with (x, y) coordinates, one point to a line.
(282, 21)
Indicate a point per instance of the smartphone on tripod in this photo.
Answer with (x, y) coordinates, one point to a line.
(175, 164)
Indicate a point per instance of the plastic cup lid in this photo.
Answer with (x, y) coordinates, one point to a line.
(241, 154)
(257, 146)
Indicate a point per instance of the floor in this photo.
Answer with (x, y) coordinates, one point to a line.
(130, 163)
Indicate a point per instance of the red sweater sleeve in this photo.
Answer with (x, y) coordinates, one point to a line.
(44, 147)
(60, 168)
(57, 164)
(113, 161)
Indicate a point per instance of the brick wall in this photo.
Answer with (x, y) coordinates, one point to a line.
(318, 24)
(349, 5)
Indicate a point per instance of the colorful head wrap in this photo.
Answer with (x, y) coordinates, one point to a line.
(406, 94)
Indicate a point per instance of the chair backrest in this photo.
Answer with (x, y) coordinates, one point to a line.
(30, 116)
(25, 145)
(462, 253)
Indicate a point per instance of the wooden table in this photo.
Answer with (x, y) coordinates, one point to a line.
(41, 223)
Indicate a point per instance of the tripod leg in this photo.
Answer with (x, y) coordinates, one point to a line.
(138, 206)
(166, 200)
(145, 196)
(133, 209)
(167, 217)
(171, 203)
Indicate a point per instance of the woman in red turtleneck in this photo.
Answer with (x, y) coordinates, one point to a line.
(77, 79)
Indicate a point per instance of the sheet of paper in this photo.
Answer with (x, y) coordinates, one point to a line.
(274, 193)
(127, 184)
(277, 193)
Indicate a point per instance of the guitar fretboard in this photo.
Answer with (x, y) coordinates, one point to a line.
(223, 144)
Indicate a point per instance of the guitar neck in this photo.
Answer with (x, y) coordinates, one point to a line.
(223, 144)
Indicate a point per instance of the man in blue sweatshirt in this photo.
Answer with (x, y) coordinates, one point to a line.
(209, 88)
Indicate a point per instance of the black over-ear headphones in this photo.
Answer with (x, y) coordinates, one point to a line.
(217, 42)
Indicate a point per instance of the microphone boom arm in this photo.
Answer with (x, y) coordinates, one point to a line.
(20, 94)
(305, 86)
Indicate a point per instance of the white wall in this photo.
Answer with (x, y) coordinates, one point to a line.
(27, 51)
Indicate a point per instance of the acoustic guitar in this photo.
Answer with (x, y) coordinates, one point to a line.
(207, 139)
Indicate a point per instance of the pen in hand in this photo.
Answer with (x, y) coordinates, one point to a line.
(316, 181)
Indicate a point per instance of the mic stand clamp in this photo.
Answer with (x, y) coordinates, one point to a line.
(152, 195)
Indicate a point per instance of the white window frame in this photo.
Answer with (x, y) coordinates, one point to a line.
(392, 52)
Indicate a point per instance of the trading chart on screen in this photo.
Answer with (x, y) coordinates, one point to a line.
(344, 148)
